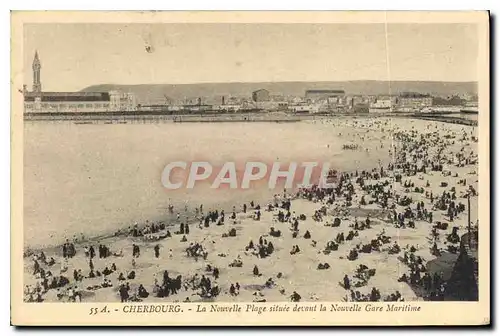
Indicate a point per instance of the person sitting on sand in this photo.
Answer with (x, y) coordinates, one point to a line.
(91, 274)
(295, 297)
(395, 249)
(214, 291)
(59, 294)
(269, 283)
(121, 277)
(106, 283)
(435, 250)
(353, 255)
(51, 262)
(403, 278)
(118, 254)
(142, 292)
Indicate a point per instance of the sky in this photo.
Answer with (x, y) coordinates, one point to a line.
(74, 56)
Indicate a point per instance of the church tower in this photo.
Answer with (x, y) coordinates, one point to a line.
(37, 85)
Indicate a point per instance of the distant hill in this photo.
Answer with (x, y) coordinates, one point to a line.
(212, 92)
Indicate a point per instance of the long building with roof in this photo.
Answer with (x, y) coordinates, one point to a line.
(319, 94)
(38, 101)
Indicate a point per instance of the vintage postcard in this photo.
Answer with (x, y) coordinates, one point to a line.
(250, 168)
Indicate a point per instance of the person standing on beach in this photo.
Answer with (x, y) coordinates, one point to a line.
(136, 252)
(86, 250)
(157, 251)
(124, 293)
(64, 250)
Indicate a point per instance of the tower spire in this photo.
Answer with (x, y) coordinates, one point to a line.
(37, 84)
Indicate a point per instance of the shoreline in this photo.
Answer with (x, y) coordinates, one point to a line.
(282, 117)
(169, 223)
(385, 280)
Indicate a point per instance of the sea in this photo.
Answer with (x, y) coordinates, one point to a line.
(94, 179)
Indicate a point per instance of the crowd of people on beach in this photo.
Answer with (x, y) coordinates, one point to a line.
(412, 205)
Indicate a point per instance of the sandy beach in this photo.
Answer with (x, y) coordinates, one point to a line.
(381, 142)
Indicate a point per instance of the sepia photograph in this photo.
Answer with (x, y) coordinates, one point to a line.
(251, 166)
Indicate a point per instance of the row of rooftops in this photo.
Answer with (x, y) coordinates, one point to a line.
(313, 91)
(337, 92)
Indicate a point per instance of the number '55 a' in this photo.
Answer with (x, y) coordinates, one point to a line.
(95, 310)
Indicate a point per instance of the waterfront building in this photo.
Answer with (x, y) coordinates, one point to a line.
(272, 105)
(410, 100)
(383, 104)
(122, 101)
(316, 95)
(227, 107)
(360, 108)
(197, 108)
(38, 101)
(305, 108)
(261, 95)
